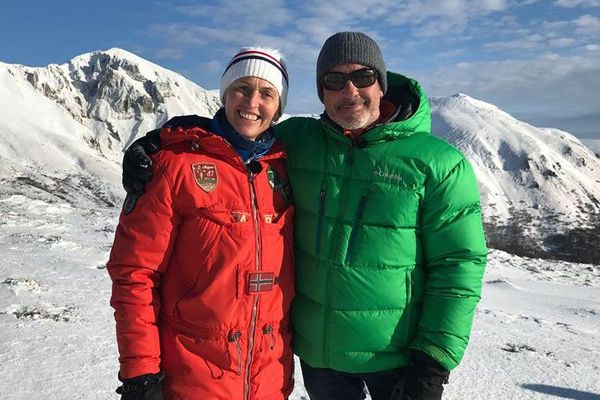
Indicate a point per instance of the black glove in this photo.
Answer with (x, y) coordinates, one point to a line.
(423, 381)
(137, 167)
(143, 387)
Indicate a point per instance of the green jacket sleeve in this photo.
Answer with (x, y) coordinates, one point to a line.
(455, 253)
(294, 129)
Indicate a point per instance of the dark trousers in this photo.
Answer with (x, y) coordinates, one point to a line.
(329, 384)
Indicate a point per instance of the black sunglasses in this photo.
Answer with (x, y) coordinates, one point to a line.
(361, 78)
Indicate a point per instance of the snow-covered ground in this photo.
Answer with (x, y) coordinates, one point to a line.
(536, 334)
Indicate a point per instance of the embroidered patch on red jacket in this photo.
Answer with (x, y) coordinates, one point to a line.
(206, 176)
(260, 282)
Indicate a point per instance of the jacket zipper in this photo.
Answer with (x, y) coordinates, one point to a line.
(350, 159)
(256, 296)
(336, 234)
(355, 225)
(322, 194)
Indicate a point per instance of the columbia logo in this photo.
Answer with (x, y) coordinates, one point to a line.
(387, 175)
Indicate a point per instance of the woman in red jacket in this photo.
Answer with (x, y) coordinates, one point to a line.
(202, 263)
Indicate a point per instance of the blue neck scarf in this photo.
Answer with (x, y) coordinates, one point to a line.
(248, 149)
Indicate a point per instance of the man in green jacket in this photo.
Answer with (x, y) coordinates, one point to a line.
(389, 245)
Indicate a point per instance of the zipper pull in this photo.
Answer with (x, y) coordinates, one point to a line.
(234, 337)
(268, 330)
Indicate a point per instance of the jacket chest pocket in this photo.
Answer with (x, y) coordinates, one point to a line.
(277, 241)
(394, 205)
(203, 267)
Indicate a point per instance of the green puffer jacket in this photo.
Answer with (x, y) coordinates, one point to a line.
(390, 249)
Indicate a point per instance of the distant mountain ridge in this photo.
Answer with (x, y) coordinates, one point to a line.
(119, 93)
(63, 129)
(540, 187)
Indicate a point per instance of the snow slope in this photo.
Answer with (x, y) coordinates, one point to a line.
(536, 332)
(537, 185)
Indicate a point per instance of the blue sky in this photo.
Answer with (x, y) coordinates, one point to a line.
(538, 60)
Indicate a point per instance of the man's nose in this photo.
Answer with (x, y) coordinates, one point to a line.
(350, 89)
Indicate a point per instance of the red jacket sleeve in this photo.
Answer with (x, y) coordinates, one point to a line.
(139, 256)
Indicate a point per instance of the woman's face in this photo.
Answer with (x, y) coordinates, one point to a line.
(251, 105)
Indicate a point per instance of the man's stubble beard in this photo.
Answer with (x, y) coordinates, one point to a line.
(358, 120)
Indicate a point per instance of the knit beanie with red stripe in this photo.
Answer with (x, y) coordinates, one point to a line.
(264, 63)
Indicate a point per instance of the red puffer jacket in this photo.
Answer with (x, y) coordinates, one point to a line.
(203, 273)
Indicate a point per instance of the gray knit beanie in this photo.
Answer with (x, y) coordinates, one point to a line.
(350, 47)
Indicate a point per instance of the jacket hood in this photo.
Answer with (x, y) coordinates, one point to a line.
(412, 113)
(183, 129)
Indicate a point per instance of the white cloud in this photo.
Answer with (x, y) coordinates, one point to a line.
(494, 5)
(558, 84)
(516, 45)
(432, 17)
(344, 11)
(587, 24)
(197, 10)
(170, 53)
(261, 15)
(562, 42)
(453, 14)
(212, 66)
(183, 34)
(452, 53)
(577, 3)
(554, 26)
(525, 42)
(533, 58)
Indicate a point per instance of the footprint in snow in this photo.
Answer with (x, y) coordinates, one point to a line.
(18, 285)
(503, 283)
(43, 311)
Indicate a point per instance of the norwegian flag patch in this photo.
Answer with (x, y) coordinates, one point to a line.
(260, 282)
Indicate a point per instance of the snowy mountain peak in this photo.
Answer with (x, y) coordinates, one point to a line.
(117, 95)
(538, 181)
(119, 59)
(67, 125)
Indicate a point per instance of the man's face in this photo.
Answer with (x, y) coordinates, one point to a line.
(351, 107)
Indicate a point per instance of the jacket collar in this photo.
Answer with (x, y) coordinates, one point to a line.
(196, 130)
(404, 111)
